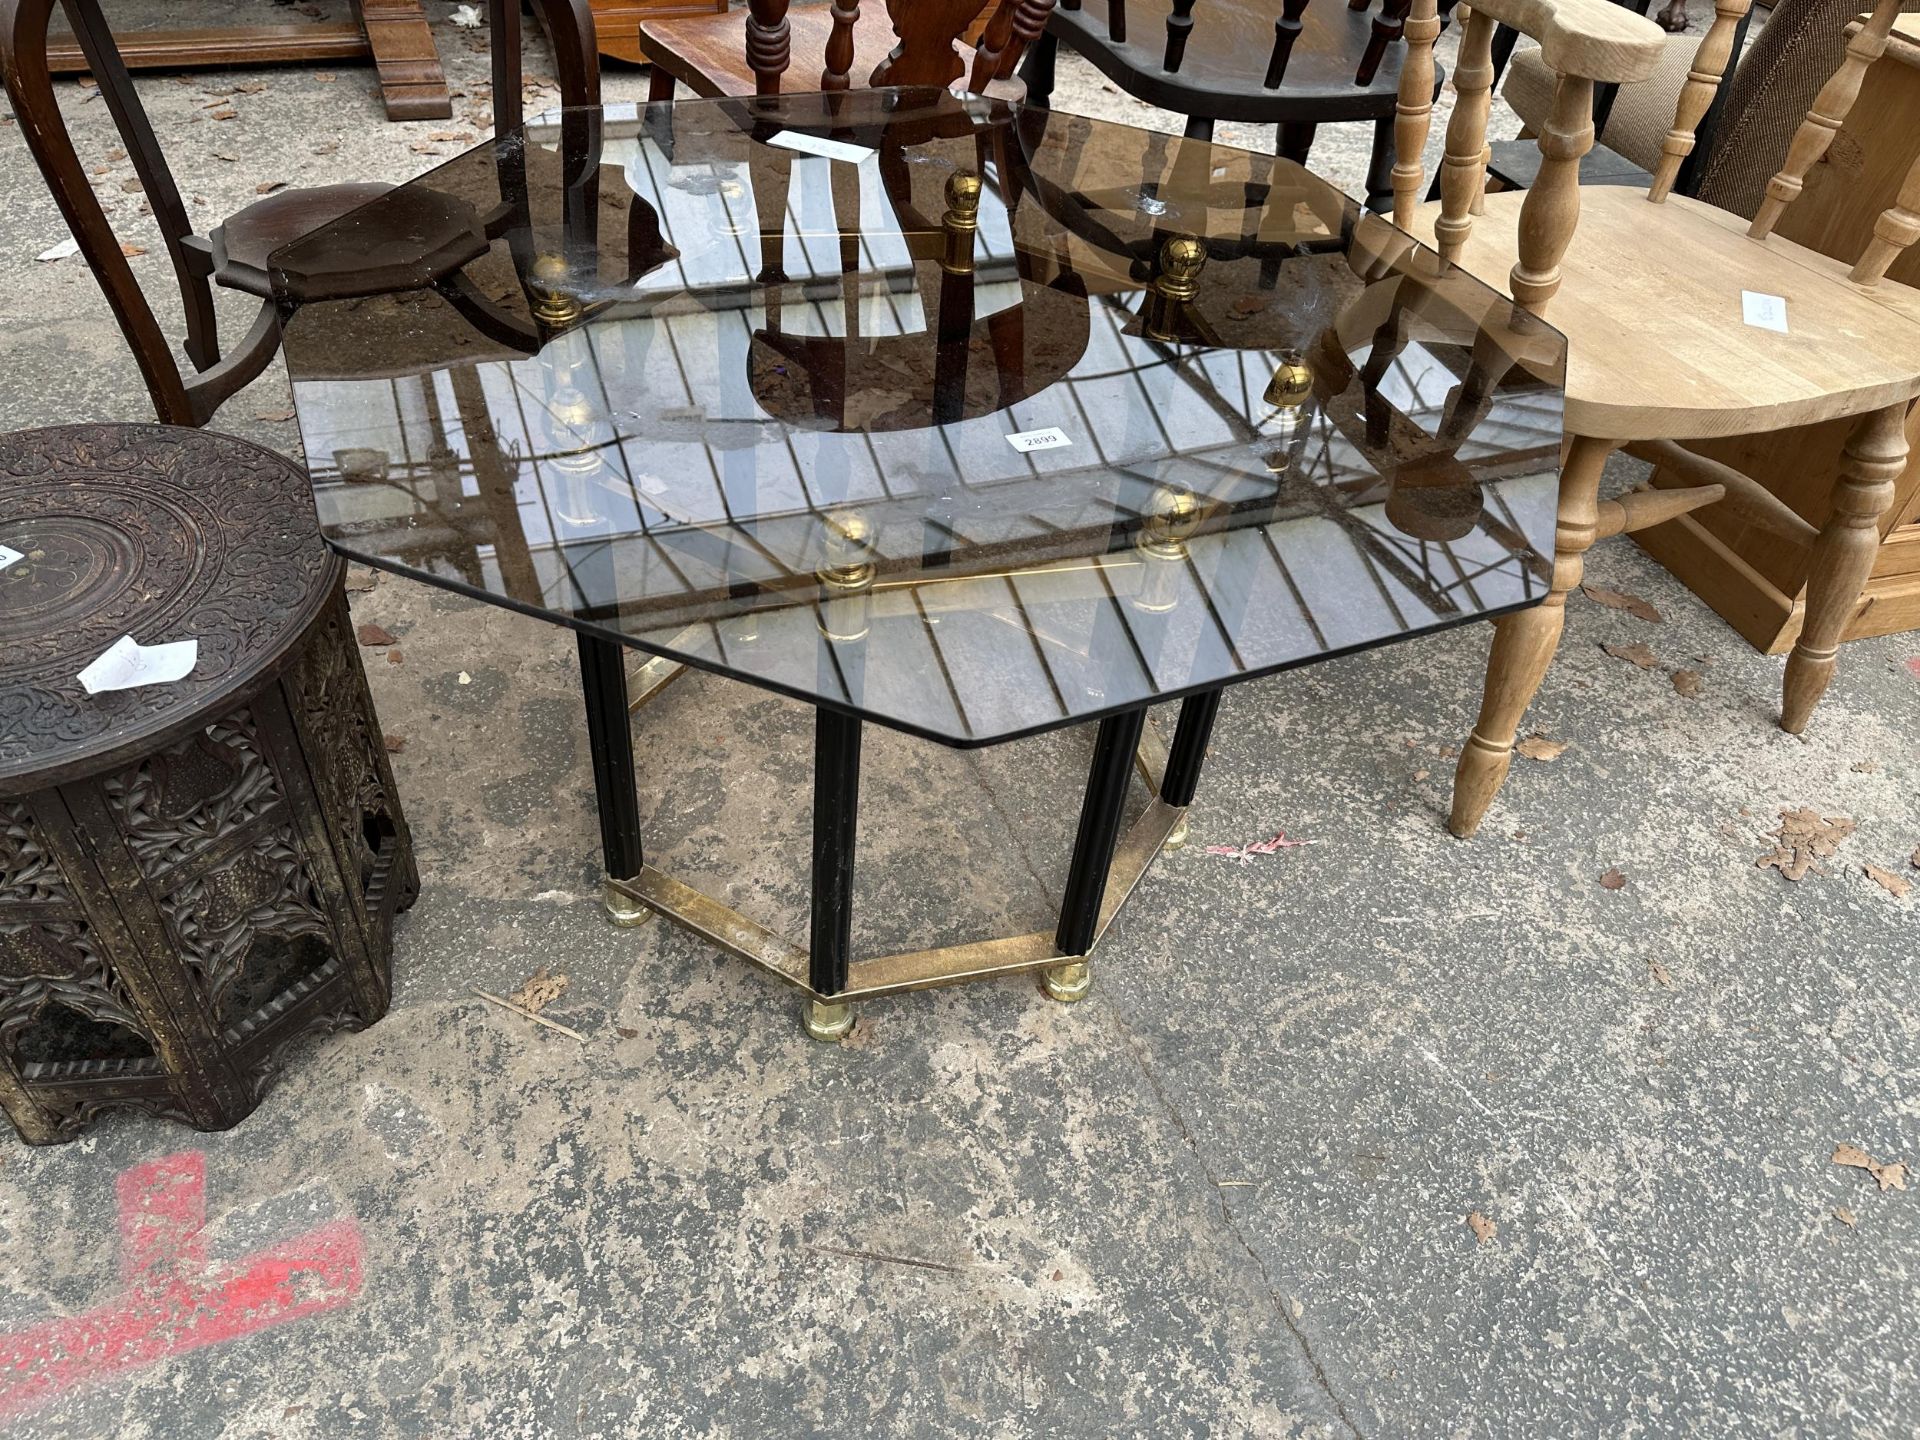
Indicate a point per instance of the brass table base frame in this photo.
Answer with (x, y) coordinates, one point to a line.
(1065, 978)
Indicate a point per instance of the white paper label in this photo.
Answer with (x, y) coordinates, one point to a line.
(814, 145)
(1052, 438)
(1764, 312)
(60, 251)
(9, 557)
(128, 663)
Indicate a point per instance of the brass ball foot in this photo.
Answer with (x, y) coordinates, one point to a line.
(1176, 837)
(1067, 982)
(824, 1021)
(622, 909)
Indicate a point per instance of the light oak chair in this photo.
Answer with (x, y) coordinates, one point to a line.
(916, 42)
(1659, 355)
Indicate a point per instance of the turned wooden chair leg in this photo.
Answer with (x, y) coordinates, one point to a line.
(1842, 557)
(660, 85)
(1524, 642)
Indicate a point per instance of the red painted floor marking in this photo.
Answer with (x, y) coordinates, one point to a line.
(173, 1302)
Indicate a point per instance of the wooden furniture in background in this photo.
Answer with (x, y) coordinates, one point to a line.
(234, 253)
(392, 33)
(1297, 65)
(192, 875)
(899, 42)
(1659, 355)
(1747, 572)
(617, 22)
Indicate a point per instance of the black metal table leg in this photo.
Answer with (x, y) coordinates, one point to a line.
(1100, 815)
(1189, 749)
(603, 682)
(836, 808)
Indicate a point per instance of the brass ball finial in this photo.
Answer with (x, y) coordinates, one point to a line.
(1292, 383)
(963, 193)
(548, 277)
(1181, 260)
(849, 549)
(1173, 514)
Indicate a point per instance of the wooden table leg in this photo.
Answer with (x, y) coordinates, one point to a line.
(411, 80)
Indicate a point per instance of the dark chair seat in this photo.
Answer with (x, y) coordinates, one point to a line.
(241, 245)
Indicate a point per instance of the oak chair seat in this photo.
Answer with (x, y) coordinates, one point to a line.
(1662, 352)
(703, 52)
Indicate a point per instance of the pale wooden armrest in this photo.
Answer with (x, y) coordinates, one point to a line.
(1593, 39)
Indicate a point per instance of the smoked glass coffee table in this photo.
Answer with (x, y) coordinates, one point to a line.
(948, 415)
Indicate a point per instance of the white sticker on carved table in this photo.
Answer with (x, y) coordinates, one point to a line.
(127, 664)
(818, 145)
(1764, 312)
(9, 556)
(1027, 441)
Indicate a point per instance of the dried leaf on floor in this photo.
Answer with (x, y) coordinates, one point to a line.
(273, 417)
(1483, 1228)
(1804, 838)
(1889, 1176)
(1257, 847)
(540, 991)
(425, 147)
(1843, 1215)
(326, 147)
(1914, 859)
(1659, 973)
(1638, 653)
(1621, 600)
(1539, 747)
(373, 635)
(361, 579)
(1421, 774)
(395, 743)
(1895, 885)
(458, 137)
(267, 187)
(626, 1033)
(393, 657)
(1613, 879)
(132, 185)
(128, 249)
(859, 1035)
(1249, 305)
(1688, 683)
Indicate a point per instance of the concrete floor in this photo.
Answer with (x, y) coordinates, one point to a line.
(1226, 1196)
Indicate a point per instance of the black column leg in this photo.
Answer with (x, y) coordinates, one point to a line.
(1189, 749)
(1037, 70)
(1380, 168)
(603, 682)
(1200, 127)
(836, 806)
(1295, 142)
(1100, 812)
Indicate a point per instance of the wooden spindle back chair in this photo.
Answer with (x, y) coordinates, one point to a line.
(233, 255)
(907, 42)
(1294, 64)
(1661, 355)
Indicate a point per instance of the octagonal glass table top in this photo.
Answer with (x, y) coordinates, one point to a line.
(967, 418)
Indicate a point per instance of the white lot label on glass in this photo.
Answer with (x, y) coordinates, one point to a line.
(127, 664)
(1052, 438)
(1764, 312)
(9, 557)
(815, 145)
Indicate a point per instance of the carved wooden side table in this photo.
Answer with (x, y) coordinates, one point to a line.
(194, 874)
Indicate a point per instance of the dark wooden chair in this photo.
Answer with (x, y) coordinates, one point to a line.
(920, 42)
(234, 253)
(1307, 65)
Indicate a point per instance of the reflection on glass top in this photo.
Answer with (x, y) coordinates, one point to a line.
(993, 420)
